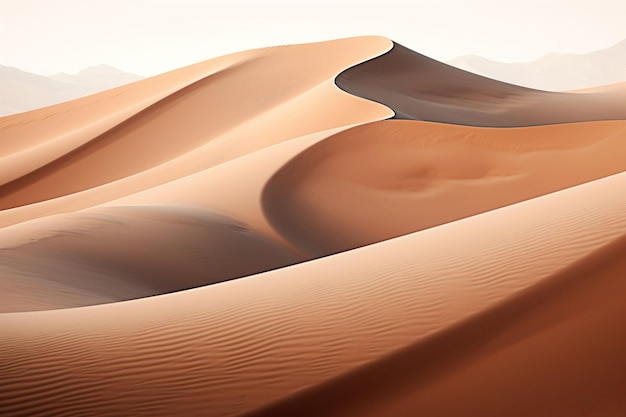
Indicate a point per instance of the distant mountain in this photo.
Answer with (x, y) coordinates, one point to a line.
(555, 72)
(22, 91)
(98, 78)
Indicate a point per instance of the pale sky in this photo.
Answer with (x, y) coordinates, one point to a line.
(149, 37)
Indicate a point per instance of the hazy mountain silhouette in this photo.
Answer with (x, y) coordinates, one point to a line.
(22, 91)
(555, 71)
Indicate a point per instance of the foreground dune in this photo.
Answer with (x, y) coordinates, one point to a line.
(246, 237)
(550, 350)
(235, 346)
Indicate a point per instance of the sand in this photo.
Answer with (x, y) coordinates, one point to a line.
(400, 176)
(417, 87)
(251, 235)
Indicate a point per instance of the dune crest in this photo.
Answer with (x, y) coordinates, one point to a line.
(236, 95)
(417, 87)
(402, 176)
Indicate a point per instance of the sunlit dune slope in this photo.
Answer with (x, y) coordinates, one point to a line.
(553, 349)
(213, 111)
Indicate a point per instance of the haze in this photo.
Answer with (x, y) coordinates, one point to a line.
(151, 37)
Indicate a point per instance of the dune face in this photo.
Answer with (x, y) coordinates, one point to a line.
(548, 351)
(107, 255)
(252, 235)
(405, 176)
(227, 101)
(417, 87)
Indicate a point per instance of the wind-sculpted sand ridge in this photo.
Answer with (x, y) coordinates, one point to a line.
(420, 88)
(262, 338)
(384, 179)
(249, 236)
(274, 88)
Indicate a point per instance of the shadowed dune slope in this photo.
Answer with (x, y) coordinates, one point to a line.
(420, 88)
(118, 253)
(197, 230)
(384, 179)
(233, 347)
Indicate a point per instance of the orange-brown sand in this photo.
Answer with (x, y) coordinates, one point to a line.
(401, 176)
(251, 236)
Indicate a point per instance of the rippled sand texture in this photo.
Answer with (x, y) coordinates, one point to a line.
(346, 228)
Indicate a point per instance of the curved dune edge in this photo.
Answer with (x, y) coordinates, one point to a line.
(120, 253)
(90, 256)
(122, 162)
(263, 338)
(417, 87)
(35, 138)
(327, 182)
(384, 179)
(246, 96)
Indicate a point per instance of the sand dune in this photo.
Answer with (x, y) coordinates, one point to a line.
(401, 176)
(234, 346)
(547, 351)
(228, 93)
(417, 87)
(250, 236)
(105, 255)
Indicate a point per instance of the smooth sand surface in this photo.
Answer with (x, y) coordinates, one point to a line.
(401, 176)
(273, 91)
(420, 88)
(249, 236)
